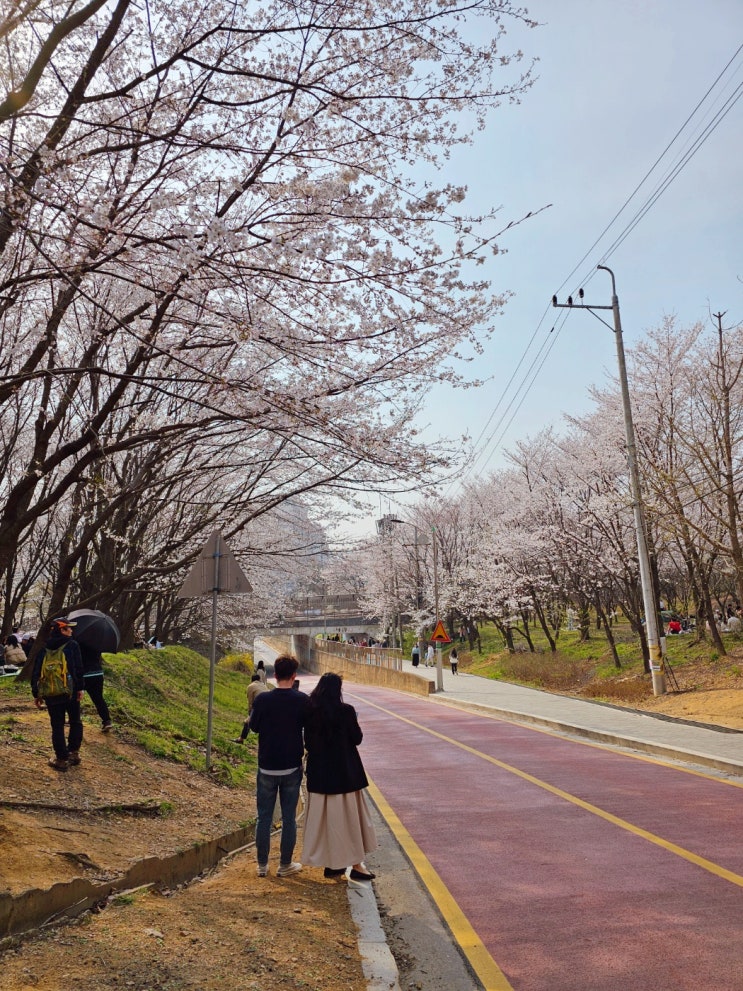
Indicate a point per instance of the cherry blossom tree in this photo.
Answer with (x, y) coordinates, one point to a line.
(223, 248)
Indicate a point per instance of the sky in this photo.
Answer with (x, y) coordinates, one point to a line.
(616, 80)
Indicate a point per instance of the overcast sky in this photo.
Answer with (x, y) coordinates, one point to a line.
(617, 79)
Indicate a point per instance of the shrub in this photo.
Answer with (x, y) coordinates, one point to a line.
(237, 662)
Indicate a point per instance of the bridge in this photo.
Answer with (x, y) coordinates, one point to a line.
(328, 614)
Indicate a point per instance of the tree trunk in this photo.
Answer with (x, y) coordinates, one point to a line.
(608, 631)
(543, 622)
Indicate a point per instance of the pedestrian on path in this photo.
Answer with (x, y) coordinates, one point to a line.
(454, 661)
(338, 829)
(93, 678)
(255, 688)
(430, 658)
(415, 654)
(278, 719)
(63, 700)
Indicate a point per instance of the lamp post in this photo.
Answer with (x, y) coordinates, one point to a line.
(646, 578)
(439, 664)
(384, 529)
(385, 526)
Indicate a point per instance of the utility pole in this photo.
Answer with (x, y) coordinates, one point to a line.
(439, 663)
(646, 577)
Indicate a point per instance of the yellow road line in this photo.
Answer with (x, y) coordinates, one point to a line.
(673, 848)
(475, 710)
(486, 969)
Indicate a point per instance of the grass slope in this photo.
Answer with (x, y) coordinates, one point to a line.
(159, 700)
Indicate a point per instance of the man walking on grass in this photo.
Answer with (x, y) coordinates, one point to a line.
(278, 719)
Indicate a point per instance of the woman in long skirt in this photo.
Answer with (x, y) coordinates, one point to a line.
(338, 830)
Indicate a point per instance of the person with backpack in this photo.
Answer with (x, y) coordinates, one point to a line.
(57, 681)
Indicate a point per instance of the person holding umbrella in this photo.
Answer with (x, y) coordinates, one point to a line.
(93, 678)
(95, 632)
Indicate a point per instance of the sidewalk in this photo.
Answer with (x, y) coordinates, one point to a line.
(663, 736)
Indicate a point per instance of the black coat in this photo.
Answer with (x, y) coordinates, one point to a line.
(333, 763)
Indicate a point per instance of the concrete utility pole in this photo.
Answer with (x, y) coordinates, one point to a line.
(646, 577)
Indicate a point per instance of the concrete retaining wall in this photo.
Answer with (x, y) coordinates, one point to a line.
(313, 658)
(38, 907)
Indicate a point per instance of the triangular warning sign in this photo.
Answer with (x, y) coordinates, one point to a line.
(440, 635)
(216, 570)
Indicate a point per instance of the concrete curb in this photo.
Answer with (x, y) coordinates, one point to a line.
(380, 969)
(617, 740)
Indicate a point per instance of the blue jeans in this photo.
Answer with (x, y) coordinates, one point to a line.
(287, 787)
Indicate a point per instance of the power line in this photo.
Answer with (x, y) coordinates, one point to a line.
(528, 379)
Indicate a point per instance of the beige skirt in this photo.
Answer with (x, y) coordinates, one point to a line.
(338, 830)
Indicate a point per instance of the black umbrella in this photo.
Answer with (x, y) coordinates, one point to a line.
(95, 629)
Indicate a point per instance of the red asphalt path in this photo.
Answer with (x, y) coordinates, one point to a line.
(562, 898)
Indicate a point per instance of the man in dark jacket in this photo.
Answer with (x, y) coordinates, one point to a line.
(61, 707)
(93, 678)
(278, 717)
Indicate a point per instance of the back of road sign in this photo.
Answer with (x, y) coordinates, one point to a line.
(216, 561)
(440, 635)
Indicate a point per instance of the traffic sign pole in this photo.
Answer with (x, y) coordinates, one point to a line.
(215, 571)
(213, 655)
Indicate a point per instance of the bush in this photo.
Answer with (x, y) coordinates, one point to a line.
(237, 662)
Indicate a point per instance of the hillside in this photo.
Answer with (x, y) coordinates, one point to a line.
(216, 933)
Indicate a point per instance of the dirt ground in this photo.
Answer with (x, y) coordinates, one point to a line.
(228, 930)
(710, 692)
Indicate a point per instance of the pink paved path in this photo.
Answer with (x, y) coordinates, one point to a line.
(563, 899)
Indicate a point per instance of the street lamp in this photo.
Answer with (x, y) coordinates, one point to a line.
(646, 578)
(385, 526)
(384, 529)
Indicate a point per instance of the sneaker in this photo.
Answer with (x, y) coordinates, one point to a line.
(285, 870)
(107, 727)
(238, 739)
(262, 870)
(74, 757)
(58, 764)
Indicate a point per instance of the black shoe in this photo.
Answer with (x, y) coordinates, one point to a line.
(334, 872)
(360, 876)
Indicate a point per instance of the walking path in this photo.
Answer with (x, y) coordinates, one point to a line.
(675, 739)
(663, 736)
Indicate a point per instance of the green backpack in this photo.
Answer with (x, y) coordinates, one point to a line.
(55, 681)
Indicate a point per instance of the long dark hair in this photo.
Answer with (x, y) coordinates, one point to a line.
(326, 701)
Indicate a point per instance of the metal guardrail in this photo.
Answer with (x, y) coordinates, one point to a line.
(381, 657)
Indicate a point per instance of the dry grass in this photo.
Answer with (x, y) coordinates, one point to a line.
(554, 672)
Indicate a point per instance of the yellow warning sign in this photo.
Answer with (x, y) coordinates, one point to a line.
(440, 635)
